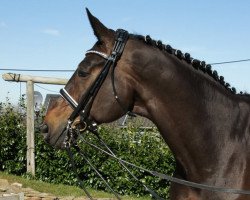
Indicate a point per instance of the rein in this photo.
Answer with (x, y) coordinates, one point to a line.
(83, 110)
(167, 177)
(125, 163)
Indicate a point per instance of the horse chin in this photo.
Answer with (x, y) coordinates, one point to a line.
(57, 141)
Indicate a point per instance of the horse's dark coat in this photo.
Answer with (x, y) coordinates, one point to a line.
(203, 121)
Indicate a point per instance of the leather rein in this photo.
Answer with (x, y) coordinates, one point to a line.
(83, 110)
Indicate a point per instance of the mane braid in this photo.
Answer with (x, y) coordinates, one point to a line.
(197, 64)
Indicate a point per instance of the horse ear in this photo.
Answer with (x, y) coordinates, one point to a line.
(101, 32)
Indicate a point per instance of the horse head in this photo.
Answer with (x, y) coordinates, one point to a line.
(105, 106)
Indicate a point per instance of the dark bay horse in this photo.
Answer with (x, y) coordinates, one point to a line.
(203, 120)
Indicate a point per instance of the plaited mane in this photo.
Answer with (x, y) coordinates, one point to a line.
(197, 64)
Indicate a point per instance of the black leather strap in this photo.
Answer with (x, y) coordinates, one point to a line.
(173, 179)
(80, 182)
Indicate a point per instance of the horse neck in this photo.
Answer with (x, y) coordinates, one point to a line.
(195, 115)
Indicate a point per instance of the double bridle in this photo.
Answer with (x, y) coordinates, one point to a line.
(83, 110)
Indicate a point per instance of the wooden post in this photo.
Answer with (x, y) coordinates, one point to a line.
(30, 128)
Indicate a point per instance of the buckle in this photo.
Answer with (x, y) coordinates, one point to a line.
(79, 125)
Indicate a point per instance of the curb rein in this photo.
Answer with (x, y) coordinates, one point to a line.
(83, 110)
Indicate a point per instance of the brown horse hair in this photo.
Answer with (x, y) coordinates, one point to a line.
(197, 64)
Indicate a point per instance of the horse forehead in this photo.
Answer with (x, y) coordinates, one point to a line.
(104, 46)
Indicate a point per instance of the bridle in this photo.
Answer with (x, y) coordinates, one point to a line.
(83, 108)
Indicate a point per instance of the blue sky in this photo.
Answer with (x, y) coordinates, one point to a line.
(54, 34)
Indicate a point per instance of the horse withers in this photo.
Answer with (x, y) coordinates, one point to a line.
(204, 122)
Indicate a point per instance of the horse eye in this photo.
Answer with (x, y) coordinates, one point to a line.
(83, 73)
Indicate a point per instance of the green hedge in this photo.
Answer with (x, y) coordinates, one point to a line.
(12, 140)
(139, 146)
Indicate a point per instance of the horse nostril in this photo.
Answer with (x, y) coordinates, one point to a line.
(44, 128)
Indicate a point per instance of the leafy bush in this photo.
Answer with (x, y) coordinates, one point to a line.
(143, 147)
(13, 141)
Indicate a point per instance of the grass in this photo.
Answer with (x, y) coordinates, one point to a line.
(60, 189)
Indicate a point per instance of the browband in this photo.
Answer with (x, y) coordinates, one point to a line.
(103, 55)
